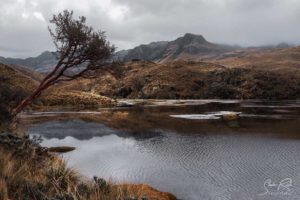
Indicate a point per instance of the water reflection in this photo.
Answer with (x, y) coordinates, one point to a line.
(138, 121)
(191, 167)
(75, 128)
(192, 158)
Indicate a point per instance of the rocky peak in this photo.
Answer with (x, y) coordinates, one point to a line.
(189, 38)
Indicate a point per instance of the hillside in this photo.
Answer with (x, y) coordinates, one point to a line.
(282, 59)
(16, 79)
(193, 80)
(241, 74)
(14, 86)
(28, 72)
(188, 67)
(17, 83)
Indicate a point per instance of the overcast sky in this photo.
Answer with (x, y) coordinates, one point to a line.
(23, 23)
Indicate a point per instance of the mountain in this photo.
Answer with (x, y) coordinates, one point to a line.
(42, 63)
(151, 52)
(189, 47)
(239, 73)
(225, 72)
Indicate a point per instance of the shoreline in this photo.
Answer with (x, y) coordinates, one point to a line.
(52, 178)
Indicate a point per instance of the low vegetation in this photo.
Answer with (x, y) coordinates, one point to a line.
(194, 80)
(15, 86)
(29, 171)
(74, 98)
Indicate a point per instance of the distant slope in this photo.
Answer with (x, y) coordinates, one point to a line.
(41, 63)
(283, 59)
(189, 47)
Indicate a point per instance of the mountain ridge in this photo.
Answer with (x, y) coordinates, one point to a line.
(42, 63)
(189, 47)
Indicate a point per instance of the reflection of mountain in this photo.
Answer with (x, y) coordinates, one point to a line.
(75, 128)
(81, 130)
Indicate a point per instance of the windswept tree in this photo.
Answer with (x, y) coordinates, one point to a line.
(79, 50)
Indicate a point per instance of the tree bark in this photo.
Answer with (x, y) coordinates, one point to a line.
(25, 102)
(36, 93)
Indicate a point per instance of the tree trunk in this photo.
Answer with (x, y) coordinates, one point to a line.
(25, 102)
(37, 92)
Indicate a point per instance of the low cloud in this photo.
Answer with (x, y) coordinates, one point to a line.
(23, 23)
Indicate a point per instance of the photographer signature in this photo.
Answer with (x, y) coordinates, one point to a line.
(275, 189)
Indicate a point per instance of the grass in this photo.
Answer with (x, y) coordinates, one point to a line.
(30, 172)
(199, 80)
(17, 81)
(74, 98)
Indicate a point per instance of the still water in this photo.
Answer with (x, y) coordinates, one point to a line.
(189, 148)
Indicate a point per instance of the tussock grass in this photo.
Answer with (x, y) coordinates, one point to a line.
(37, 175)
(74, 98)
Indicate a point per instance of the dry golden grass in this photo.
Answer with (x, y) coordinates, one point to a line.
(17, 79)
(202, 80)
(75, 98)
(30, 177)
(55, 96)
(284, 60)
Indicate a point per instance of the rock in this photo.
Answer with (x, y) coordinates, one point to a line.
(61, 149)
(124, 104)
(230, 115)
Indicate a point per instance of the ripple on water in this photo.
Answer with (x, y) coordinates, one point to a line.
(192, 166)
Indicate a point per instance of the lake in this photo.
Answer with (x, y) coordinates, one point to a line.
(195, 149)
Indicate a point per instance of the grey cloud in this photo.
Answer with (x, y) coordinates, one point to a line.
(132, 22)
